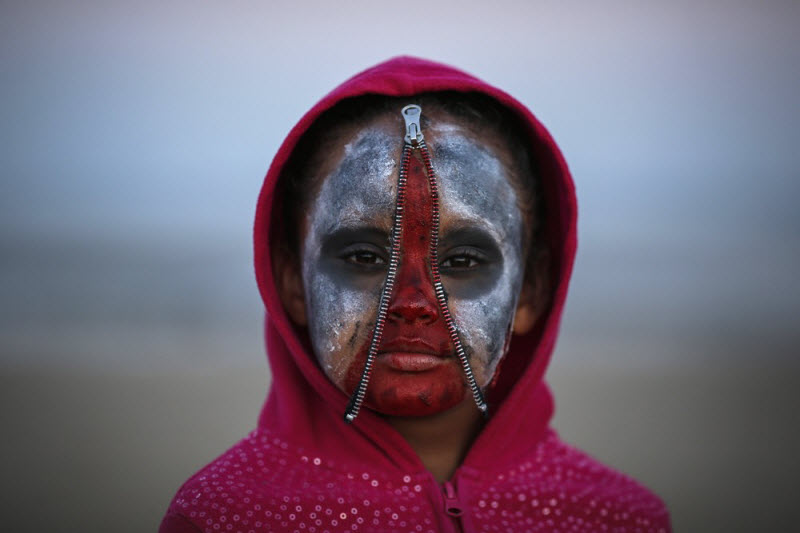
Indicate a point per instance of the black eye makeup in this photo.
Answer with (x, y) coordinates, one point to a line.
(472, 242)
(462, 259)
(363, 254)
(360, 249)
(470, 260)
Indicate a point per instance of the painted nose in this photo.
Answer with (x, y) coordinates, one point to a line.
(414, 301)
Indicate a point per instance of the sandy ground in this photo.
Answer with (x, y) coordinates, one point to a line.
(106, 452)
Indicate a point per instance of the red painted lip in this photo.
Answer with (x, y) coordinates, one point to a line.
(412, 362)
(412, 346)
(412, 355)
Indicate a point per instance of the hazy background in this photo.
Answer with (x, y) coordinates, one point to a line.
(133, 140)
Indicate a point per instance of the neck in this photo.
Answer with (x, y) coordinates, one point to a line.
(441, 440)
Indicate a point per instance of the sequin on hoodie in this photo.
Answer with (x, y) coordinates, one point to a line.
(302, 469)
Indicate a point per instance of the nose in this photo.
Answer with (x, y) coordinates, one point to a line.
(414, 301)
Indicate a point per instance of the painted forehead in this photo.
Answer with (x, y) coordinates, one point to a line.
(359, 190)
(474, 181)
(475, 188)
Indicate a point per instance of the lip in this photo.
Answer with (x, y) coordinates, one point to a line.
(412, 355)
(412, 361)
(416, 346)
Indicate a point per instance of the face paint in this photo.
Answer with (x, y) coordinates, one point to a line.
(347, 226)
(346, 252)
(482, 223)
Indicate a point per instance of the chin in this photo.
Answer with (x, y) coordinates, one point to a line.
(415, 394)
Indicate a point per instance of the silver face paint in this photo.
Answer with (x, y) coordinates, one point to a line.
(476, 193)
(358, 195)
(481, 245)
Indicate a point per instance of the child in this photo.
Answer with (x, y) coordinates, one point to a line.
(414, 239)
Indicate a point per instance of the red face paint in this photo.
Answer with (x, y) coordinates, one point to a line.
(416, 372)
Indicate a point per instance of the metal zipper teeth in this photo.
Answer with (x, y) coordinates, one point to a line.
(354, 406)
(415, 143)
(438, 287)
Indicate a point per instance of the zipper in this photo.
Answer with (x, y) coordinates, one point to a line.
(452, 505)
(412, 113)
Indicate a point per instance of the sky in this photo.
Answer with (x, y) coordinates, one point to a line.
(134, 137)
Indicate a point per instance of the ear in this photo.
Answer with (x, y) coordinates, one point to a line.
(290, 286)
(534, 295)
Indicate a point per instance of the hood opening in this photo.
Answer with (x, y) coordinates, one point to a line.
(392, 85)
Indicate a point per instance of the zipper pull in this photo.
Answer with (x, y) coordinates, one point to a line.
(411, 114)
(452, 505)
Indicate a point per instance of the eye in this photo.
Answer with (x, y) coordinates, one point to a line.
(364, 255)
(463, 259)
(459, 261)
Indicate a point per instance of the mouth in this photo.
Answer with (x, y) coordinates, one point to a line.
(412, 355)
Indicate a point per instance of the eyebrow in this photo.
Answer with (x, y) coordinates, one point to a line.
(470, 236)
(469, 226)
(346, 235)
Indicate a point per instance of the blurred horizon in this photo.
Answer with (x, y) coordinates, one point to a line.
(134, 139)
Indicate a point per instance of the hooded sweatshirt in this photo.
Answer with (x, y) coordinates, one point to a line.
(304, 469)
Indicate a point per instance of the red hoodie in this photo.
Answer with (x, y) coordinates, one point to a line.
(304, 469)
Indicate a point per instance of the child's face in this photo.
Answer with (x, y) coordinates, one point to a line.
(345, 253)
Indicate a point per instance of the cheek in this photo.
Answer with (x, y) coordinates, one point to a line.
(484, 323)
(340, 320)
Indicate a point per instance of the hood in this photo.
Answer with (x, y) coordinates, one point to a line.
(306, 408)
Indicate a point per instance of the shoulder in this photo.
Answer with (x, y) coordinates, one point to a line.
(618, 491)
(266, 483)
(559, 484)
(225, 488)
